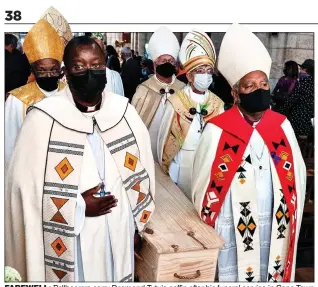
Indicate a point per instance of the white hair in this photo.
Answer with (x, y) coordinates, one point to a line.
(126, 51)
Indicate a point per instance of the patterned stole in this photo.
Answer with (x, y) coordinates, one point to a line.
(230, 169)
(181, 121)
(62, 175)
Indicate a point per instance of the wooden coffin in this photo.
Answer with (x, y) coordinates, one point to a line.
(177, 245)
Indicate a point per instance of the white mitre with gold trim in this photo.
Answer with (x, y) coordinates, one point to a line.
(196, 50)
(241, 52)
(163, 42)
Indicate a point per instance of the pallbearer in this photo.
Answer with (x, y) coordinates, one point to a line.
(151, 96)
(44, 48)
(249, 177)
(188, 110)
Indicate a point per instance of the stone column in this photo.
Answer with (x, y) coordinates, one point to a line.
(141, 43)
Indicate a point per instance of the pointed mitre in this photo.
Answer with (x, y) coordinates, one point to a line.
(46, 40)
(196, 49)
(241, 52)
(163, 42)
(59, 23)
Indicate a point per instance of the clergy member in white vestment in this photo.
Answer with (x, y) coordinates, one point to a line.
(80, 185)
(188, 110)
(249, 177)
(151, 96)
(44, 47)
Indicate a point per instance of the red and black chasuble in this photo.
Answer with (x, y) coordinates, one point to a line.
(233, 142)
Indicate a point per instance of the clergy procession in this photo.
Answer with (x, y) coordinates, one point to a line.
(166, 185)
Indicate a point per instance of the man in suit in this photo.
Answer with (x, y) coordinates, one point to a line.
(17, 67)
(131, 73)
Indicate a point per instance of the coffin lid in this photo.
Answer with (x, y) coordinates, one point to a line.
(174, 217)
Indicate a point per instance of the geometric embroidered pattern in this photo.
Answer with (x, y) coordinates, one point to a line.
(141, 195)
(249, 274)
(58, 246)
(282, 217)
(64, 168)
(59, 203)
(145, 216)
(59, 273)
(241, 169)
(277, 275)
(241, 176)
(276, 145)
(227, 146)
(130, 161)
(246, 226)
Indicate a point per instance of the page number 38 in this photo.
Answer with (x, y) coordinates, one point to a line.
(13, 15)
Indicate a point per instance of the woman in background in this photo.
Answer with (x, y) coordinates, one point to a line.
(112, 59)
(285, 86)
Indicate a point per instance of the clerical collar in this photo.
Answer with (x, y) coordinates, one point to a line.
(163, 84)
(252, 123)
(85, 109)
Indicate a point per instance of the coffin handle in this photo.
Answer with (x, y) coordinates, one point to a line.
(138, 256)
(191, 234)
(197, 275)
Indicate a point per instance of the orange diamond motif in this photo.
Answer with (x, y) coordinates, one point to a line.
(249, 269)
(58, 246)
(145, 216)
(130, 161)
(64, 168)
(284, 155)
(278, 257)
(220, 175)
(276, 275)
(289, 176)
(287, 214)
(242, 181)
(226, 158)
(251, 226)
(241, 227)
(279, 214)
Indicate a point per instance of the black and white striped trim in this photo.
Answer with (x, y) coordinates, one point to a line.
(147, 200)
(128, 278)
(133, 179)
(66, 148)
(122, 143)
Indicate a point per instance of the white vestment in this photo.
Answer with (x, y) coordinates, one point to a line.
(114, 83)
(180, 169)
(14, 114)
(157, 119)
(103, 245)
(226, 222)
(14, 111)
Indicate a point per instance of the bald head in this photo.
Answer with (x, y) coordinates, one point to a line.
(99, 42)
(79, 47)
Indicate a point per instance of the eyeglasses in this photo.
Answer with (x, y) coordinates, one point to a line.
(43, 74)
(163, 91)
(82, 68)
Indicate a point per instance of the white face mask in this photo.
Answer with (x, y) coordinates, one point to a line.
(202, 82)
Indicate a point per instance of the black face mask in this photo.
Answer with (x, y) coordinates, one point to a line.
(89, 85)
(257, 101)
(48, 84)
(166, 70)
